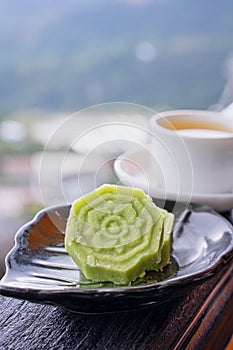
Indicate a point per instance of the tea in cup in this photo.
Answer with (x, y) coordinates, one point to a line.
(194, 149)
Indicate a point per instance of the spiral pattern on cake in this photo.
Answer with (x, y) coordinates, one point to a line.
(115, 234)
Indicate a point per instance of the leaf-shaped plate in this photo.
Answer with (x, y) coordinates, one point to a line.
(39, 269)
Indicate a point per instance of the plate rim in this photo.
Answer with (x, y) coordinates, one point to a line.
(128, 154)
(6, 288)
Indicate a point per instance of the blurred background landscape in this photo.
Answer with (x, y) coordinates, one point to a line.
(57, 57)
(66, 55)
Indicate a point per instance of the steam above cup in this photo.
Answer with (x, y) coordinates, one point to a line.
(194, 151)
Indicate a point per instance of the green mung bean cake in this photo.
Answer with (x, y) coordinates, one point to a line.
(116, 234)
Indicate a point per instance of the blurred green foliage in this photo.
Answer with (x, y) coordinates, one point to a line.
(24, 147)
(66, 55)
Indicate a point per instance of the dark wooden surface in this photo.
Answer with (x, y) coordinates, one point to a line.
(201, 319)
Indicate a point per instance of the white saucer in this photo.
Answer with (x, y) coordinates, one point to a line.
(132, 168)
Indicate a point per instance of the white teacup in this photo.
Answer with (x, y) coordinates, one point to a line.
(194, 150)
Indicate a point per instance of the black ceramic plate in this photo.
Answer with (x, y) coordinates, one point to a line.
(39, 269)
